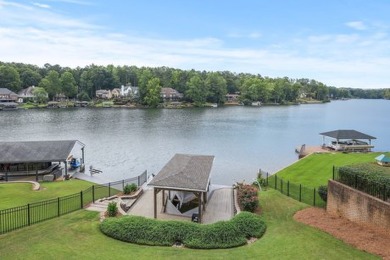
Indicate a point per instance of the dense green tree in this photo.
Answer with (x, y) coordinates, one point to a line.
(68, 84)
(9, 78)
(216, 85)
(51, 83)
(143, 78)
(152, 97)
(86, 83)
(40, 95)
(197, 91)
(29, 77)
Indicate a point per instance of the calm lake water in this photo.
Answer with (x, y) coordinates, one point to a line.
(125, 142)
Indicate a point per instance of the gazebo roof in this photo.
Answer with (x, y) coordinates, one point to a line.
(36, 151)
(185, 172)
(347, 134)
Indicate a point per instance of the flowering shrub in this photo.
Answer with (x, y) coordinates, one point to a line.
(247, 197)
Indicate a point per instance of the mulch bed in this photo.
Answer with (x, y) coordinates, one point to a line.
(374, 241)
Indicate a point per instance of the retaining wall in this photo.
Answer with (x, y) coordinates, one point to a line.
(357, 206)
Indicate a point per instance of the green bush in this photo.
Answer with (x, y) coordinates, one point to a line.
(129, 188)
(223, 234)
(368, 178)
(112, 209)
(323, 192)
(247, 197)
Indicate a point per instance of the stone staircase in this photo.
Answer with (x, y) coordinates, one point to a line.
(99, 205)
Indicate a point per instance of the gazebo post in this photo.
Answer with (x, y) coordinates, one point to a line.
(155, 202)
(200, 206)
(204, 200)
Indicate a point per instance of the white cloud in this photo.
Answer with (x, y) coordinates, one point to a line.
(357, 25)
(41, 5)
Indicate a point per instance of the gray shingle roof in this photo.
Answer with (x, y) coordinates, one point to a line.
(35, 151)
(6, 91)
(185, 172)
(347, 134)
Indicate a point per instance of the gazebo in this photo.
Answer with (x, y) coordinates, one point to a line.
(184, 174)
(349, 140)
(20, 158)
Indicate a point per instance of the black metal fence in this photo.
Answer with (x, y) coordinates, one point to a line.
(22, 216)
(302, 193)
(363, 183)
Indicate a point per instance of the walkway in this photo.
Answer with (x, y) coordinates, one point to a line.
(36, 185)
(220, 206)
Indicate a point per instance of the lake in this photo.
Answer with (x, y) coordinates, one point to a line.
(125, 142)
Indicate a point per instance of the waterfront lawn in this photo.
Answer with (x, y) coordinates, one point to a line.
(316, 169)
(77, 236)
(18, 194)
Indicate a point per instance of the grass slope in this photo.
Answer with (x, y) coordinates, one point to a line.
(316, 169)
(18, 194)
(77, 236)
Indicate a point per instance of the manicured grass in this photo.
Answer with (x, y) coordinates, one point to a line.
(18, 194)
(317, 169)
(77, 236)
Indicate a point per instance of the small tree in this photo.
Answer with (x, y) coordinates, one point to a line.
(40, 95)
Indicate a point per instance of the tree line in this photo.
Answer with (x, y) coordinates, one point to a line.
(197, 87)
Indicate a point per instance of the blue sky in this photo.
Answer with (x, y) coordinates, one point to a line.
(341, 43)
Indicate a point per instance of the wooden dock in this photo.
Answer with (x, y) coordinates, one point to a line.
(305, 150)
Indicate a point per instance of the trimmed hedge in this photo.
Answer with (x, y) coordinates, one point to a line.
(367, 178)
(223, 234)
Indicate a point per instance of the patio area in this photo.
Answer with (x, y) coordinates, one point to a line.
(219, 206)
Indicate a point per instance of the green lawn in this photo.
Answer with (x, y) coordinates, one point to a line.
(77, 236)
(316, 169)
(18, 194)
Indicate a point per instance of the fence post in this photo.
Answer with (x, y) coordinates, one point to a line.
(288, 188)
(300, 192)
(333, 172)
(109, 189)
(281, 186)
(28, 214)
(81, 199)
(276, 183)
(314, 199)
(58, 206)
(93, 193)
(123, 184)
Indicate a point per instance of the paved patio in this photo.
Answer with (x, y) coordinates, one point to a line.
(219, 206)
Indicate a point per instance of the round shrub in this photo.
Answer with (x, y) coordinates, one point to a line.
(223, 234)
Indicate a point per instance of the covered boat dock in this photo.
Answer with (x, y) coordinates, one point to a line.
(348, 141)
(36, 157)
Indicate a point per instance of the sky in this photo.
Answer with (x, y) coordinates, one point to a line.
(341, 43)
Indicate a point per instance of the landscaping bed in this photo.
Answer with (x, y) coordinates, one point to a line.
(371, 240)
